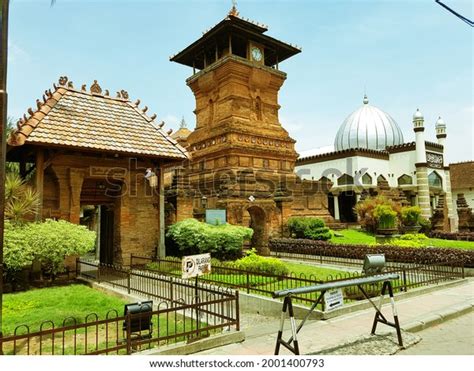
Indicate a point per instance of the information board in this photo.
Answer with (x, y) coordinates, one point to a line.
(333, 299)
(216, 216)
(196, 265)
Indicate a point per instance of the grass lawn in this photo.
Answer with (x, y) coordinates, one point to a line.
(356, 237)
(35, 306)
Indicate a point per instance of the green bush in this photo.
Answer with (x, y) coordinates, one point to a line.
(308, 227)
(425, 225)
(222, 241)
(410, 215)
(257, 263)
(49, 242)
(410, 240)
(366, 211)
(53, 240)
(386, 217)
(17, 252)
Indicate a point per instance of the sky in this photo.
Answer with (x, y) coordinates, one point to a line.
(405, 54)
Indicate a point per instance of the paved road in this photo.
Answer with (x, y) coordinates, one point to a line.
(454, 337)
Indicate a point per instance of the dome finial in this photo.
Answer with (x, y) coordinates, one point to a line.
(366, 100)
(233, 11)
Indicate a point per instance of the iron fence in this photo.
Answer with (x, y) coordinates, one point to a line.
(410, 276)
(115, 334)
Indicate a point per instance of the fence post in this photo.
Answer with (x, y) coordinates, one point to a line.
(98, 272)
(128, 281)
(237, 310)
(462, 270)
(129, 333)
(248, 283)
(404, 275)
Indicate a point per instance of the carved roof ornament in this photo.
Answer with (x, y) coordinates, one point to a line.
(83, 87)
(233, 11)
(161, 124)
(70, 85)
(124, 94)
(137, 103)
(107, 93)
(153, 117)
(95, 88)
(63, 80)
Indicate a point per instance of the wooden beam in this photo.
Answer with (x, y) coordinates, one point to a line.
(39, 181)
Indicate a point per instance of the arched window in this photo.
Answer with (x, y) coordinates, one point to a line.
(345, 179)
(405, 180)
(435, 180)
(366, 179)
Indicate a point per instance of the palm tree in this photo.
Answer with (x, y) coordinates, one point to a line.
(21, 200)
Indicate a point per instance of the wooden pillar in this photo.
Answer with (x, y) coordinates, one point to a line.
(76, 178)
(161, 211)
(39, 180)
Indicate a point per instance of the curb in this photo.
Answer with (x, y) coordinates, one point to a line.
(438, 318)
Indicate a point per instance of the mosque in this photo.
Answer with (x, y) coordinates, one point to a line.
(370, 156)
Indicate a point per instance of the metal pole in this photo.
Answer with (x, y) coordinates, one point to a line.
(3, 126)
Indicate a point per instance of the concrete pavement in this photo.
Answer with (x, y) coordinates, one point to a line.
(415, 314)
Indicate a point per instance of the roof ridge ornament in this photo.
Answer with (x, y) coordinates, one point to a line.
(95, 88)
(366, 100)
(63, 80)
(233, 11)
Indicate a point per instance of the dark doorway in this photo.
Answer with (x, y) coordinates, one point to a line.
(257, 223)
(106, 234)
(347, 201)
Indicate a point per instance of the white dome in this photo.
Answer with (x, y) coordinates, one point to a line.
(368, 127)
(440, 123)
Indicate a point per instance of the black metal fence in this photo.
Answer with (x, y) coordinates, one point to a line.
(185, 312)
(411, 276)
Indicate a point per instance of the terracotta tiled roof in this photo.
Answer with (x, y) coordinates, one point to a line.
(462, 175)
(93, 120)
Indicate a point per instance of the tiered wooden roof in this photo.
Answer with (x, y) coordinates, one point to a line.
(93, 120)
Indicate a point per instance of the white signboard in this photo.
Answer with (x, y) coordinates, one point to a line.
(196, 265)
(333, 299)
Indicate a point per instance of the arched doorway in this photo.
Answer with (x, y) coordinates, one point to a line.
(258, 224)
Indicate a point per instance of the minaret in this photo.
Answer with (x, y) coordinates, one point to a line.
(441, 131)
(441, 136)
(421, 165)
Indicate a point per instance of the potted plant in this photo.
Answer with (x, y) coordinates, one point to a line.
(386, 220)
(410, 218)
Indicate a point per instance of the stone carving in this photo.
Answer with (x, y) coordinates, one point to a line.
(95, 88)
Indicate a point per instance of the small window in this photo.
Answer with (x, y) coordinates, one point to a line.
(345, 179)
(405, 180)
(366, 179)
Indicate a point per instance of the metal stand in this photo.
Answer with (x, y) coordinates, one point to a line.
(379, 317)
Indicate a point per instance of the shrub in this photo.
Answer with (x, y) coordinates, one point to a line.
(425, 225)
(53, 240)
(365, 210)
(386, 217)
(49, 242)
(308, 227)
(17, 252)
(410, 215)
(410, 240)
(392, 253)
(257, 263)
(222, 241)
